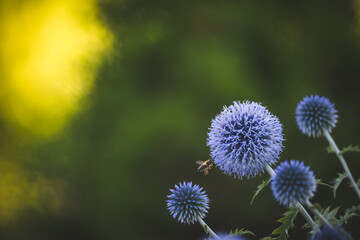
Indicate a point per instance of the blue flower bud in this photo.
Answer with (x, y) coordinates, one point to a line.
(315, 114)
(293, 183)
(187, 202)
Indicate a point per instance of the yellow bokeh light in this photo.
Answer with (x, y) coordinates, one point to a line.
(49, 55)
(19, 192)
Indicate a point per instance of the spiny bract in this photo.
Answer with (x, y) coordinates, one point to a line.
(244, 138)
(187, 202)
(293, 183)
(315, 114)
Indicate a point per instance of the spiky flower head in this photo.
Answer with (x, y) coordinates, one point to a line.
(315, 114)
(244, 138)
(187, 202)
(226, 237)
(330, 233)
(294, 182)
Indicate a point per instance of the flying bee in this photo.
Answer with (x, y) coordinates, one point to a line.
(205, 166)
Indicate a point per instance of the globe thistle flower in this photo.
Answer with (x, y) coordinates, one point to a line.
(187, 202)
(226, 237)
(293, 183)
(244, 138)
(315, 114)
(330, 233)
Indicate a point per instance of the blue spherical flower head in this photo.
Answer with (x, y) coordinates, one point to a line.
(226, 237)
(187, 202)
(293, 183)
(244, 138)
(315, 114)
(331, 233)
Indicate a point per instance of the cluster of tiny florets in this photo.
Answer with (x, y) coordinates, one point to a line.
(315, 114)
(293, 183)
(226, 237)
(187, 202)
(330, 233)
(244, 138)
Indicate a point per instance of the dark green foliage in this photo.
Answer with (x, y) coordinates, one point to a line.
(350, 148)
(337, 181)
(349, 213)
(144, 123)
(241, 232)
(330, 214)
(329, 149)
(260, 187)
(347, 149)
(287, 222)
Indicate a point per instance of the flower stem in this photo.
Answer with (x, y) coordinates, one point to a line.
(298, 205)
(342, 160)
(317, 213)
(270, 170)
(306, 215)
(206, 228)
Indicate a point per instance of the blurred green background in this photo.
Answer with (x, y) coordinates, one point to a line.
(105, 106)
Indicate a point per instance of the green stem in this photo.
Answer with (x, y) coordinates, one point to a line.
(342, 160)
(206, 228)
(317, 213)
(298, 205)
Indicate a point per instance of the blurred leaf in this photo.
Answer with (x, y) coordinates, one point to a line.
(349, 213)
(338, 180)
(241, 232)
(259, 188)
(329, 214)
(269, 238)
(329, 149)
(316, 205)
(287, 223)
(350, 148)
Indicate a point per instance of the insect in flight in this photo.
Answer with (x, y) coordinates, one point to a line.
(205, 166)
